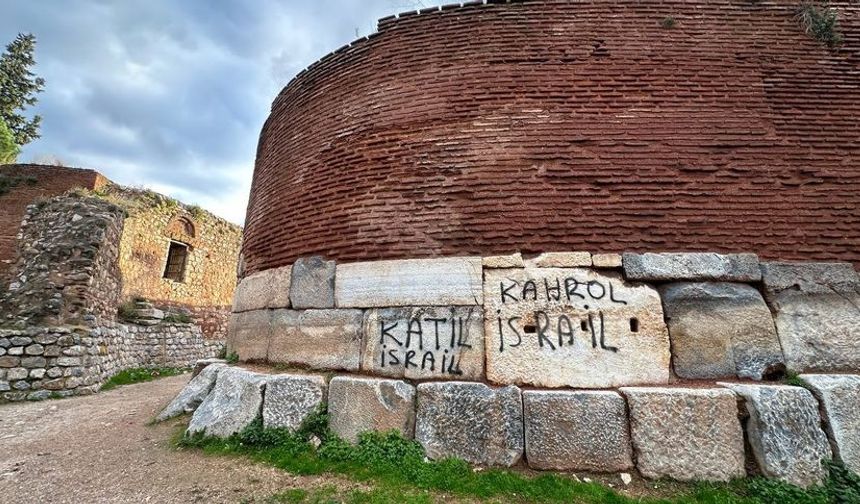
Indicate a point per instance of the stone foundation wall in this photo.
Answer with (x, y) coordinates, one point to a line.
(662, 362)
(38, 362)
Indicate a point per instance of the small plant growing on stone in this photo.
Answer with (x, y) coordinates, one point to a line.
(127, 311)
(821, 22)
(232, 358)
(177, 318)
(793, 379)
(668, 22)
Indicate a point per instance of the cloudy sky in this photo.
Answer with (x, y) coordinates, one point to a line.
(172, 94)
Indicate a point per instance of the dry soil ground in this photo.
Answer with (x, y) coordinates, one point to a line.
(100, 449)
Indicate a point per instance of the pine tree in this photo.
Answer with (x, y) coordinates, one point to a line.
(8, 149)
(18, 88)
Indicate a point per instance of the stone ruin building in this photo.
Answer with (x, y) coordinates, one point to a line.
(96, 278)
(590, 236)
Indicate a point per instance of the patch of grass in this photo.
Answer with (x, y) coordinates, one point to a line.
(821, 22)
(329, 494)
(668, 22)
(231, 357)
(397, 467)
(139, 375)
(127, 312)
(399, 472)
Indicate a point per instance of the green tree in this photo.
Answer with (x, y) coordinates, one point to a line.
(8, 148)
(18, 88)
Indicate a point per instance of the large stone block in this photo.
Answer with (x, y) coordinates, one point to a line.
(561, 260)
(504, 261)
(424, 342)
(249, 334)
(558, 327)
(233, 404)
(357, 405)
(686, 434)
(576, 431)
(264, 289)
(312, 283)
(471, 421)
(839, 397)
(193, 394)
(784, 431)
(720, 330)
(816, 312)
(606, 260)
(291, 399)
(409, 282)
(320, 339)
(691, 266)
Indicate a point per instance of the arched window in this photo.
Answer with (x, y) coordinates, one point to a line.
(182, 226)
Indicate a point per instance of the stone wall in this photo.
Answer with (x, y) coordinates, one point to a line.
(67, 270)
(206, 290)
(38, 362)
(665, 362)
(82, 257)
(23, 184)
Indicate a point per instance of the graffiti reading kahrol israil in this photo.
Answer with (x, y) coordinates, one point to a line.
(556, 331)
(572, 327)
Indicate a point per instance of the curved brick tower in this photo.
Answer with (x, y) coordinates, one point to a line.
(552, 125)
(482, 210)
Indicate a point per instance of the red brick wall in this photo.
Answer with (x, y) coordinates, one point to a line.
(552, 125)
(36, 181)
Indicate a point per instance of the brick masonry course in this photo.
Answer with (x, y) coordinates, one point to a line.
(569, 124)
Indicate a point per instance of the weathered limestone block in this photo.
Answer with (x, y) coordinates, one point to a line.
(471, 421)
(560, 327)
(576, 431)
(817, 313)
(504, 261)
(424, 342)
(720, 330)
(202, 364)
(686, 434)
(320, 339)
(839, 397)
(606, 260)
(232, 405)
(357, 405)
(290, 399)
(409, 282)
(264, 289)
(560, 260)
(193, 394)
(784, 430)
(312, 283)
(249, 334)
(692, 266)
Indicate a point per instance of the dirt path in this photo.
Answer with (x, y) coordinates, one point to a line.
(99, 449)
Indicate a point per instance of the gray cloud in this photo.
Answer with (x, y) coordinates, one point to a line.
(172, 95)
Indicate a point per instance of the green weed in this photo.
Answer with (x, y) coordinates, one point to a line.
(139, 375)
(820, 22)
(399, 472)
